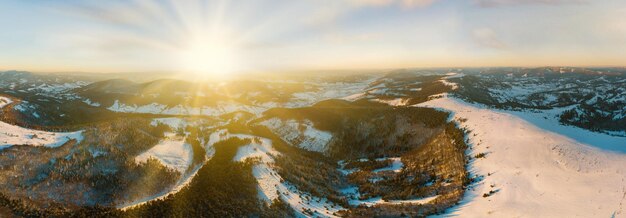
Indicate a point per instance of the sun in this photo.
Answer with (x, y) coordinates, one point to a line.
(210, 56)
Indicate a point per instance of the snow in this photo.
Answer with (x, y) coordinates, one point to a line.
(378, 200)
(261, 150)
(344, 171)
(396, 165)
(355, 97)
(173, 153)
(548, 120)
(4, 101)
(182, 182)
(11, 135)
(339, 90)
(454, 75)
(378, 91)
(96, 152)
(20, 107)
(394, 102)
(303, 135)
(269, 181)
(301, 99)
(537, 169)
(14, 135)
(451, 75)
(172, 122)
(186, 179)
(91, 103)
(55, 89)
(445, 82)
(154, 108)
(354, 195)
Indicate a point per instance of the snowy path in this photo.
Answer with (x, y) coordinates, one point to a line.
(535, 171)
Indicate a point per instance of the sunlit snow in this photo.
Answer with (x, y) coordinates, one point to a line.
(538, 170)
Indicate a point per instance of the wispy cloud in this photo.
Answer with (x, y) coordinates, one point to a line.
(486, 37)
(417, 3)
(402, 3)
(497, 3)
(150, 35)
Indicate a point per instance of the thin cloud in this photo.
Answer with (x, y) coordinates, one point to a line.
(417, 3)
(407, 4)
(498, 3)
(486, 37)
(372, 2)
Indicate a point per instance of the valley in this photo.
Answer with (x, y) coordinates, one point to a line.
(394, 144)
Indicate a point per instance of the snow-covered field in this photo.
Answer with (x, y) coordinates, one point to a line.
(538, 169)
(11, 135)
(173, 153)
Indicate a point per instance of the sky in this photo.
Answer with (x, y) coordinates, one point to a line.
(227, 36)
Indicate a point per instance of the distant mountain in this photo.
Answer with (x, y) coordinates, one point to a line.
(110, 86)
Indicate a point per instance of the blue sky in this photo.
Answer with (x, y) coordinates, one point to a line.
(265, 35)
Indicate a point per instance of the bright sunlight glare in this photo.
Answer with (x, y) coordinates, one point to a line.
(210, 56)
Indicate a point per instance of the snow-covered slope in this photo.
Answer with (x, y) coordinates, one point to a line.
(11, 135)
(183, 155)
(173, 153)
(14, 135)
(155, 108)
(4, 101)
(172, 122)
(451, 75)
(588, 98)
(394, 102)
(533, 171)
(323, 91)
(272, 186)
(301, 134)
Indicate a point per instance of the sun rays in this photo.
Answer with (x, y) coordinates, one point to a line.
(197, 35)
(206, 39)
(210, 55)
